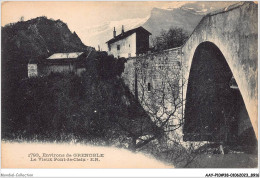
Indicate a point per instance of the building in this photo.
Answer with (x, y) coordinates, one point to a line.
(59, 63)
(130, 43)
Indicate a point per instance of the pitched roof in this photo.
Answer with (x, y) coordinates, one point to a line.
(73, 55)
(65, 57)
(128, 33)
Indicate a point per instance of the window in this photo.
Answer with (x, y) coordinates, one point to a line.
(149, 87)
(129, 54)
(129, 45)
(118, 47)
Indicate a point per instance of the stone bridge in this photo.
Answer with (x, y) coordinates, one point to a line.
(220, 75)
(223, 47)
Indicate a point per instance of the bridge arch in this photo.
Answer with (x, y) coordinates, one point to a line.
(215, 110)
(234, 32)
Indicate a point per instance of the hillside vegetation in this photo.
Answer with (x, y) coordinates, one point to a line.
(94, 108)
(31, 40)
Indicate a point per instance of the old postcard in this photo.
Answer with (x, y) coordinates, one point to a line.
(123, 84)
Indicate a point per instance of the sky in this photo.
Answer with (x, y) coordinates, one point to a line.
(87, 18)
(80, 13)
(81, 16)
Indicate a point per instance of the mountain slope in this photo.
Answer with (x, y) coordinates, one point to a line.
(33, 40)
(205, 7)
(24, 41)
(165, 19)
(159, 19)
(187, 17)
(39, 37)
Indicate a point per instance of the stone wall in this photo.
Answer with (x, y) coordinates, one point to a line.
(149, 67)
(155, 80)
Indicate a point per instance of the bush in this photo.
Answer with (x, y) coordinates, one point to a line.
(60, 107)
(108, 66)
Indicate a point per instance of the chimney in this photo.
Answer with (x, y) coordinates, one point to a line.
(123, 29)
(114, 32)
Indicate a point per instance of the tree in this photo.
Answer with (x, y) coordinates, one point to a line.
(159, 84)
(174, 37)
(108, 66)
(159, 92)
